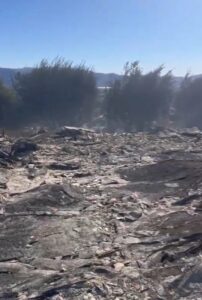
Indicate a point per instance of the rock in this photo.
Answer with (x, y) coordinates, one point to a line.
(147, 159)
(131, 272)
(118, 292)
(189, 281)
(82, 174)
(72, 132)
(67, 166)
(131, 240)
(5, 159)
(4, 155)
(169, 177)
(118, 267)
(21, 147)
(89, 296)
(48, 199)
(192, 132)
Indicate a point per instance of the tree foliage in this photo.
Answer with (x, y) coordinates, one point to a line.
(137, 100)
(60, 93)
(56, 92)
(188, 103)
(7, 103)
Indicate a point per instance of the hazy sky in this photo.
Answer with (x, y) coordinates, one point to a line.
(103, 33)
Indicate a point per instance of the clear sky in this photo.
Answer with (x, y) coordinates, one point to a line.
(103, 33)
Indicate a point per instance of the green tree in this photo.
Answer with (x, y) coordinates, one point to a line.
(7, 102)
(137, 100)
(188, 103)
(56, 92)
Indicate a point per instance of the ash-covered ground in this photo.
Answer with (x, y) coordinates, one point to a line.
(100, 216)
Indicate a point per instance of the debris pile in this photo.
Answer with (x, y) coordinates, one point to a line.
(100, 216)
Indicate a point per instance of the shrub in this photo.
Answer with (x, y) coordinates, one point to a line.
(188, 103)
(56, 92)
(7, 103)
(137, 100)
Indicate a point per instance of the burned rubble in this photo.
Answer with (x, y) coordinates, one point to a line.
(101, 216)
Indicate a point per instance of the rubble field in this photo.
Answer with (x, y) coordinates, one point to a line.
(86, 215)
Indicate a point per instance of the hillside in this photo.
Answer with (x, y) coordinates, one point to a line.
(7, 74)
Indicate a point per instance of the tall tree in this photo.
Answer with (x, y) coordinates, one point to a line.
(56, 92)
(7, 101)
(189, 103)
(137, 100)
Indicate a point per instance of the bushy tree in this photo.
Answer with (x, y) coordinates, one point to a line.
(137, 100)
(188, 103)
(7, 103)
(56, 92)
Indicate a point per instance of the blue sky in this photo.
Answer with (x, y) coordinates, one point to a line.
(103, 33)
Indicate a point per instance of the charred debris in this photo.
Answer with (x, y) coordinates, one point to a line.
(86, 215)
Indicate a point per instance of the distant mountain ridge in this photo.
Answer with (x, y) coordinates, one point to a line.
(7, 75)
(105, 79)
(102, 79)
